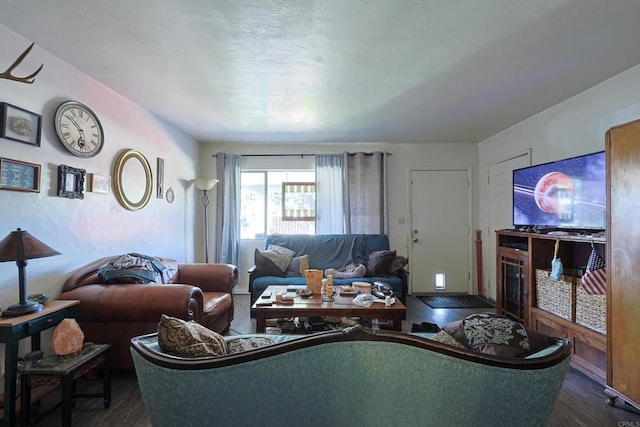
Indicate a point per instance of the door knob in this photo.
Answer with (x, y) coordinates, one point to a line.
(415, 240)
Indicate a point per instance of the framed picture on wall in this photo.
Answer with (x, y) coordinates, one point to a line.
(19, 176)
(70, 182)
(20, 125)
(99, 183)
(160, 178)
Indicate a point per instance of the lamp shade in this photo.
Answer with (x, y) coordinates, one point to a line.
(20, 245)
(204, 183)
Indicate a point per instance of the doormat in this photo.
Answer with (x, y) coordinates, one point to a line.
(455, 301)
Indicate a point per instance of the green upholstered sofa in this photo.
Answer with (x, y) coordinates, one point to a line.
(351, 378)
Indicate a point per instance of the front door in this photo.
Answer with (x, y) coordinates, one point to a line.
(440, 259)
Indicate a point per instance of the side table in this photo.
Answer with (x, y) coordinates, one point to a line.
(65, 370)
(13, 329)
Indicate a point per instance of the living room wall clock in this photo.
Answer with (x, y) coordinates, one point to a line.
(79, 129)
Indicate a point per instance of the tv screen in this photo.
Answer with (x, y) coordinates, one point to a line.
(566, 194)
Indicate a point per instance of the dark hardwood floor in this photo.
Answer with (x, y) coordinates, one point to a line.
(581, 401)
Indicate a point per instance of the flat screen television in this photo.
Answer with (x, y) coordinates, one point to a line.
(567, 194)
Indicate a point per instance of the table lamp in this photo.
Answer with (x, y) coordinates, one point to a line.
(205, 184)
(19, 246)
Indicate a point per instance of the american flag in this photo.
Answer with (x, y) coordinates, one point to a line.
(594, 280)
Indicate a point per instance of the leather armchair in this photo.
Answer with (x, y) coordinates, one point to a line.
(115, 313)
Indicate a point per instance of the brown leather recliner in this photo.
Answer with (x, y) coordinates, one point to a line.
(115, 313)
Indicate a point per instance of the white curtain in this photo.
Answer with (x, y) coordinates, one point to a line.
(330, 212)
(228, 168)
(366, 188)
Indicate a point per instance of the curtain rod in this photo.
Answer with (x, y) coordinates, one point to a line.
(294, 155)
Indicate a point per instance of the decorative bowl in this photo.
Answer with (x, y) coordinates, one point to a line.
(304, 293)
(362, 287)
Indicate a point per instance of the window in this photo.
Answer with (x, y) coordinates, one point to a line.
(262, 203)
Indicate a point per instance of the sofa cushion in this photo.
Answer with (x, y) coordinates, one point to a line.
(380, 263)
(494, 334)
(189, 339)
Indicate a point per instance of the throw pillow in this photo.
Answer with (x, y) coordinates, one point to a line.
(445, 338)
(264, 266)
(240, 345)
(494, 334)
(280, 256)
(380, 263)
(398, 263)
(304, 264)
(297, 266)
(189, 339)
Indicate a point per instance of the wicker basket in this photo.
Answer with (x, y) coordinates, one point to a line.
(591, 310)
(556, 296)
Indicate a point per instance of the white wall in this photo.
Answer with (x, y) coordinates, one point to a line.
(403, 159)
(84, 230)
(573, 127)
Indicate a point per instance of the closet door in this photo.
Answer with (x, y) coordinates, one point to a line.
(623, 256)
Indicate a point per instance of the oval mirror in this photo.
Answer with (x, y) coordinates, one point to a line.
(132, 180)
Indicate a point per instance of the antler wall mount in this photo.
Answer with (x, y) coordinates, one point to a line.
(27, 79)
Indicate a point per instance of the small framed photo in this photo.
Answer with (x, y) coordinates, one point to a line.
(71, 182)
(19, 176)
(20, 125)
(99, 183)
(160, 178)
(170, 195)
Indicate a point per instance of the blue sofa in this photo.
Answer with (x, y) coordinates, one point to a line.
(328, 251)
(351, 378)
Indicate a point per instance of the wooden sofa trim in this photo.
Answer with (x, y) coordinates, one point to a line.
(356, 333)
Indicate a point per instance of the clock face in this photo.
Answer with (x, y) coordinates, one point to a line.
(79, 129)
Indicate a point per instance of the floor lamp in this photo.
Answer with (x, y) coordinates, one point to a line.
(205, 184)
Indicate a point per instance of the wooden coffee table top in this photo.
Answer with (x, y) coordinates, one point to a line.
(313, 306)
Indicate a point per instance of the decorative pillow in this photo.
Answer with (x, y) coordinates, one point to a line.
(264, 266)
(189, 339)
(494, 334)
(297, 266)
(280, 256)
(398, 263)
(445, 338)
(304, 263)
(240, 345)
(380, 263)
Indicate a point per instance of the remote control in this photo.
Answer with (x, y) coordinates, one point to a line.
(266, 294)
(263, 303)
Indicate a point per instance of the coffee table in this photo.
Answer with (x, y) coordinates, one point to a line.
(313, 306)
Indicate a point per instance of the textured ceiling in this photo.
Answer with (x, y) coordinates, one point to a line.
(338, 71)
